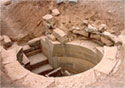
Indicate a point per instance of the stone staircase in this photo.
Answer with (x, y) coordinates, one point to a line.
(39, 63)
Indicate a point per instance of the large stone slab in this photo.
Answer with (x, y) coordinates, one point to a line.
(110, 52)
(48, 18)
(106, 41)
(74, 1)
(105, 66)
(81, 32)
(8, 56)
(59, 1)
(34, 42)
(15, 71)
(60, 35)
(35, 81)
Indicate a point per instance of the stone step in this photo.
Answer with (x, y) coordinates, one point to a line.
(32, 53)
(43, 69)
(54, 73)
(38, 60)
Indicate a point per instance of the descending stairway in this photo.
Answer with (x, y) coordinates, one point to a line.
(39, 64)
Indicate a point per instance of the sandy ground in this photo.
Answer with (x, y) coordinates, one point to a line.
(23, 21)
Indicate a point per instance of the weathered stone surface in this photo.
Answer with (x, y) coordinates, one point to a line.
(96, 36)
(102, 27)
(105, 66)
(45, 48)
(7, 2)
(112, 37)
(81, 32)
(110, 52)
(59, 1)
(15, 71)
(91, 29)
(48, 18)
(7, 41)
(100, 52)
(108, 61)
(26, 47)
(81, 80)
(25, 60)
(60, 35)
(75, 1)
(106, 41)
(55, 12)
(75, 28)
(51, 37)
(8, 56)
(34, 42)
(35, 81)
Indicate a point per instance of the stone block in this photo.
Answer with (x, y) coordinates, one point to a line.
(102, 27)
(95, 36)
(15, 71)
(106, 41)
(60, 35)
(105, 66)
(34, 42)
(33, 52)
(25, 60)
(48, 18)
(7, 41)
(26, 47)
(55, 12)
(7, 2)
(51, 37)
(112, 37)
(45, 48)
(59, 1)
(74, 1)
(110, 52)
(81, 32)
(91, 29)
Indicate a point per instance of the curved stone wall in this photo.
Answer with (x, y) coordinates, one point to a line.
(19, 75)
(75, 57)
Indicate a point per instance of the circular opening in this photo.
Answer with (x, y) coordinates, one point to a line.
(64, 59)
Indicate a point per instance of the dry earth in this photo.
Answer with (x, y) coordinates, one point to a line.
(23, 21)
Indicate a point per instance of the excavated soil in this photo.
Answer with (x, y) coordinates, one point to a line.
(23, 20)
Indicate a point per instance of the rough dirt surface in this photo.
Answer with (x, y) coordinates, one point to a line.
(23, 21)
